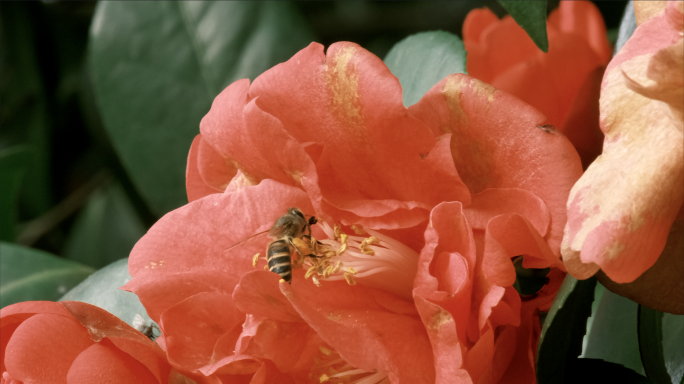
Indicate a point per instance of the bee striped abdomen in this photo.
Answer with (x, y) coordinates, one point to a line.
(280, 259)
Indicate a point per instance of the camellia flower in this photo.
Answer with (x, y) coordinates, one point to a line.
(420, 211)
(563, 83)
(622, 210)
(74, 342)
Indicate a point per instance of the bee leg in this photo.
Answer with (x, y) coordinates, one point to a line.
(289, 239)
(308, 237)
(311, 255)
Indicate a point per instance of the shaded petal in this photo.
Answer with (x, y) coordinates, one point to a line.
(195, 185)
(216, 170)
(259, 294)
(193, 327)
(512, 235)
(35, 342)
(445, 267)
(280, 342)
(499, 201)
(500, 142)
(104, 362)
(225, 117)
(584, 19)
(376, 149)
(353, 320)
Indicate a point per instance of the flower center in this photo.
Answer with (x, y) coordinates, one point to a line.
(374, 260)
(330, 367)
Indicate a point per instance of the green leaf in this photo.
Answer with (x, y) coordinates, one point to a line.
(596, 371)
(106, 230)
(627, 27)
(23, 111)
(561, 337)
(29, 274)
(422, 60)
(102, 289)
(531, 16)
(673, 339)
(613, 335)
(650, 333)
(13, 164)
(157, 66)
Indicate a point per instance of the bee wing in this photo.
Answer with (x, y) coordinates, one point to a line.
(254, 235)
(138, 322)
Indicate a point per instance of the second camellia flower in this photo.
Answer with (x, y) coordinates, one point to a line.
(431, 203)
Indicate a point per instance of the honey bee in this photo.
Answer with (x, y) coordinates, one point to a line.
(140, 324)
(290, 226)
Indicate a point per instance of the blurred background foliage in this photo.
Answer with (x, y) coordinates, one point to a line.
(99, 103)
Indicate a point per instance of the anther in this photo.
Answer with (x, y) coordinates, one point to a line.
(324, 378)
(337, 231)
(255, 260)
(315, 280)
(358, 230)
(312, 269)
(350, 278)
(325, 350)
(343, 241)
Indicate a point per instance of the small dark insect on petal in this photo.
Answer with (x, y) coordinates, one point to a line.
(548, 128)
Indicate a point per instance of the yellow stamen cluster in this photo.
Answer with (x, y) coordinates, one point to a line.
(343, 241)
(349, 276)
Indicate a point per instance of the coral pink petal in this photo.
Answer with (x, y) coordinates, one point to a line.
(259, 294)
(193, 326)
(211, 236)
(268, 373)
(486, 125)
(225, 116)
(480, 356)
(373, 145)
(101, 324)
(504, 46)
(216, 170)
(195, 185)
(504, 349)
(280, 342)
(354, 321)
(512, 235)
(36, 343)
(582, 18)
(499, 201)
(445, 267)
(446, 346)
(152, 358)
(521, 370)
(105, 363)
(476, 24)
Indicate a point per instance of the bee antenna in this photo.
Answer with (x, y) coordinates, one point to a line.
(313, 220)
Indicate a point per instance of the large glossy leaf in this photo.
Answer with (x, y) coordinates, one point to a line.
(560, 342)
(613, 335)
(29, 274)
(531, 16)
(673, 353)
(420, 61)
(650, 332)
(106, 230)
(157, 66)
(24, 107)
(13, 164)
(596, 371)
(101, 289)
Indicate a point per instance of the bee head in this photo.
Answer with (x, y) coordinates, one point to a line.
(296, 211)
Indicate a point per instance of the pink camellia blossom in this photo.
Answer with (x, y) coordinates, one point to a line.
(420, 212)
(620, 213)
